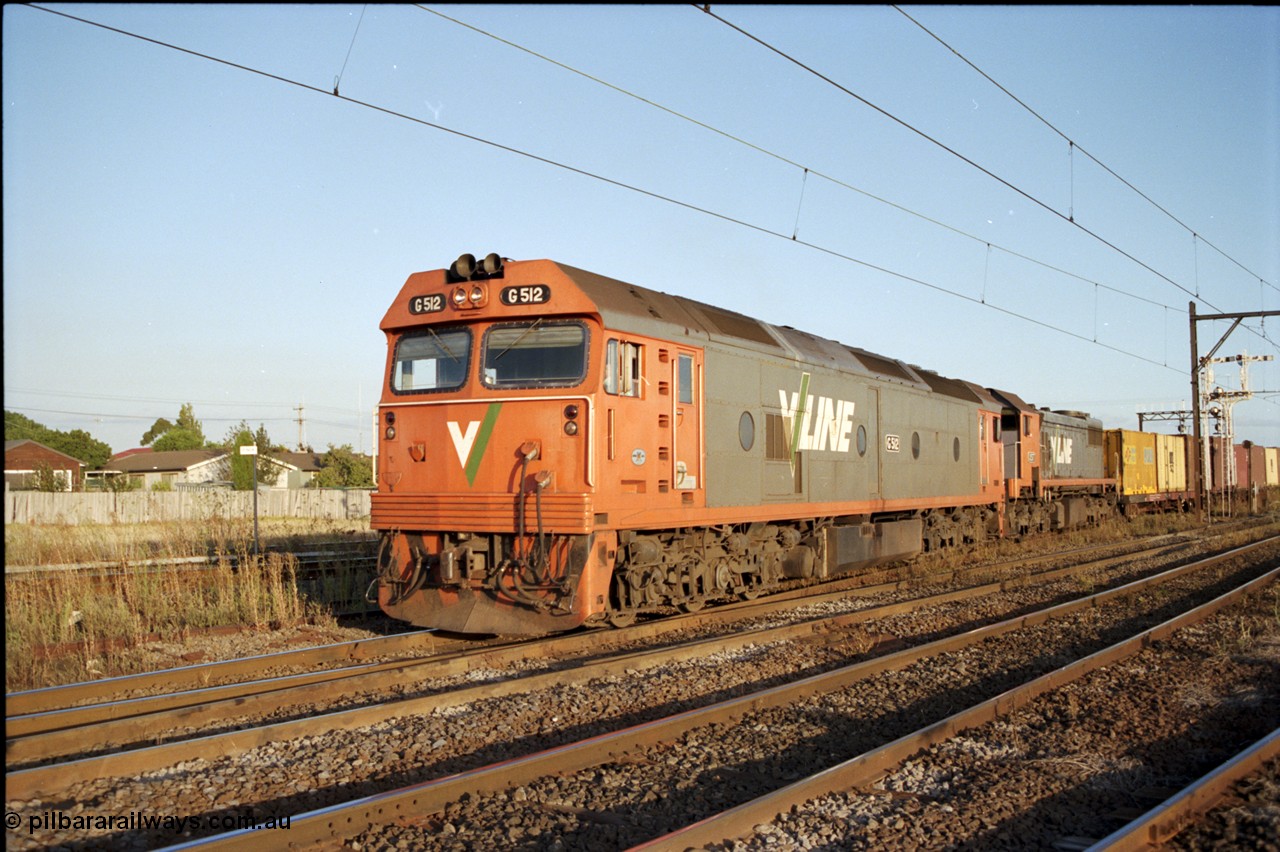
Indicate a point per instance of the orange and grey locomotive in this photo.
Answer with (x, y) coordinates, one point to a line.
(559, 448)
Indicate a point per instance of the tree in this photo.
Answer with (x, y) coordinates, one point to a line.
(239, 468)
(187, 420)
(81, 445)
(77, 443)
(186, 434)
(342, 467)
(178, 438)
(120, 484)
(157, 429)
(46, 478)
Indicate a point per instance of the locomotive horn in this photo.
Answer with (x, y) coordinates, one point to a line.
(492, 264)
(464, 266)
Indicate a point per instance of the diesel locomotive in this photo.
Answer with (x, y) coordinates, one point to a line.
(558, 448)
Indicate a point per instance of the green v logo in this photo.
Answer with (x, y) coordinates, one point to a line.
(470, 443)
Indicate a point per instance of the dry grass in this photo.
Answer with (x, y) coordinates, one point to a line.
(73, 625)
(51, 544)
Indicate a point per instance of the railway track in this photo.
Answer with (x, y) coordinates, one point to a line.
(242, 670)
(79, 718)
(442, 748)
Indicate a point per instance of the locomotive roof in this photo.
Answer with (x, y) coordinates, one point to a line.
(628, 307)
(632, 308)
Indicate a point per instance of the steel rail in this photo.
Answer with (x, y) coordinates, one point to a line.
(413, 802)
(69, 695)
(1168, 819)
(56, 734)
(867, 768)
(57, 718)
(198, 676)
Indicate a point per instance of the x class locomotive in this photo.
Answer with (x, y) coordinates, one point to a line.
(559, 448)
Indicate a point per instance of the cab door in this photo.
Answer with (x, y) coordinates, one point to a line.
(686, 415)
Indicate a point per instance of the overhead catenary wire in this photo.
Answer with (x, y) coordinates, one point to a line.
(604, 179)
(594, 176)
(913, 129)
(807, 169)
(1076, 146)
(337, 81)
(164, 400)
(138, 417)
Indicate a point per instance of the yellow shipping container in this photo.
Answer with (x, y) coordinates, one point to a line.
(1273, 465)
(1171, 463)
(1131, 459)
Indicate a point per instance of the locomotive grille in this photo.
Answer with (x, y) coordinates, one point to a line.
(564, 513)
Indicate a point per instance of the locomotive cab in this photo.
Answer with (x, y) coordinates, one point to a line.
(486, 472)
(521, 433)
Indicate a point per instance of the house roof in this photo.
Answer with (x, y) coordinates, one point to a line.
(309, 462)
(135, 451)
(175, 460)
(13, 445)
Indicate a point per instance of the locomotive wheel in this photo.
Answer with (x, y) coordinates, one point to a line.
(692, 605)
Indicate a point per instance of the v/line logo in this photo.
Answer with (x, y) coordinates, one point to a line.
(471, 442)
(818, 422)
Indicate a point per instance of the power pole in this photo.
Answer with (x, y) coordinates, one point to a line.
(298, 408)
(1197, 389)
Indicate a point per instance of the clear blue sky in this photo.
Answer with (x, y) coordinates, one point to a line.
(178, 230)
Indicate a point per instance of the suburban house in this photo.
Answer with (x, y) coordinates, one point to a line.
(178, 467)
(24, 458)
(299, 468)
(186, 468)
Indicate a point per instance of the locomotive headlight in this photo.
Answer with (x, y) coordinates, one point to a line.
(477, 295)
(391, 432)
(571, 428)
(571, 412)
(459, 297)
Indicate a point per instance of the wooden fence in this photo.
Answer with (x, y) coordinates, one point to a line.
(137, 507)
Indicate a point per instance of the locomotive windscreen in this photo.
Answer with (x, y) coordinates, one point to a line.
(536, 354)
(431, 360)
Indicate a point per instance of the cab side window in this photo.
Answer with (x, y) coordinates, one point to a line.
(685, 389)
(622, 373)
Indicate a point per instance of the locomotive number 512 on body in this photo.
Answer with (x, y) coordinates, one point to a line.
(536, 294)
(426, 304)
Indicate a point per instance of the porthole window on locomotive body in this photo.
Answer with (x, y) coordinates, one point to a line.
(746, 430)
(862, 440)
(915, 445)
(955, 448)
